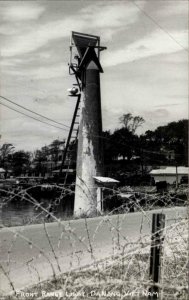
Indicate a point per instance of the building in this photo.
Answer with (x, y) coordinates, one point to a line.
(169, 154)
(169, 174)
(49, 159)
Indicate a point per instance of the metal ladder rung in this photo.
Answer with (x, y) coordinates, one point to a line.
(70, 132)
(73, 95)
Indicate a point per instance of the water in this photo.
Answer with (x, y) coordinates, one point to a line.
(16, 213)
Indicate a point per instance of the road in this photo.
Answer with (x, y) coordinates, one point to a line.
(32, 253)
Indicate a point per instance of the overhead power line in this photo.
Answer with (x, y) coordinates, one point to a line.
(33, 112)
(157, 24)
(32, 117)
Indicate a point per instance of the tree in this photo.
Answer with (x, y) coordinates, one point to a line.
(109, 146)
(6, 151)
(21, 162)
(137, 122)
(55, 150)
(126, 136)
(172, 137)
(130, 122)
(125, 120)
(125, 142)
(40, 160)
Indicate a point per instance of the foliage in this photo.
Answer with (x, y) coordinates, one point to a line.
(122, 142)
(172, 137)
(6, 151)
(48, 157)
(127, 142)
(130, 122)
(20, 162)
(40, 158)
(166, 145)
(54, 149)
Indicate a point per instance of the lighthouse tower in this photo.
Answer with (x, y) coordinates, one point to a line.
(89, 153)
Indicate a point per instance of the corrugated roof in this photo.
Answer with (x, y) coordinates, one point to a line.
(124, 195)
(170, 170)
(101, 179)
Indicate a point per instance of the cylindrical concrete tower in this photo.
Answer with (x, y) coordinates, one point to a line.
(89, 157)
(89, 153)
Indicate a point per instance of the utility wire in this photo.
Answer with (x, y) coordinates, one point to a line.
(125, 144)
(157, 24)
(100, 136)
(32, 117)
(33, 112)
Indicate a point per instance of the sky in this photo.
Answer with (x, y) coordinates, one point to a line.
(145, 64)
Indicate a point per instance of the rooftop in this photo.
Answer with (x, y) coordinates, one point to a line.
(101, 179)
(171, 170)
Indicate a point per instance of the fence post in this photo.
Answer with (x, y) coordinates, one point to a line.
(158, 224)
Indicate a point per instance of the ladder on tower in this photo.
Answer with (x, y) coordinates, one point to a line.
(67, 149)
(73, 129)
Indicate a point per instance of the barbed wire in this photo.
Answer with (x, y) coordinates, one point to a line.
(73, 257)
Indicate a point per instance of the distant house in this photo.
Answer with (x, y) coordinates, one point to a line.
(169, 174)
(2, 173)
(169, 154)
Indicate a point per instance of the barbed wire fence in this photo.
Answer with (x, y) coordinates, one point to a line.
(106, 257)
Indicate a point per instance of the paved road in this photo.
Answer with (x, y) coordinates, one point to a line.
(32, 253)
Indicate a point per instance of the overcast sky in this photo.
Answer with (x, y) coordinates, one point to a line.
(145, 64)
